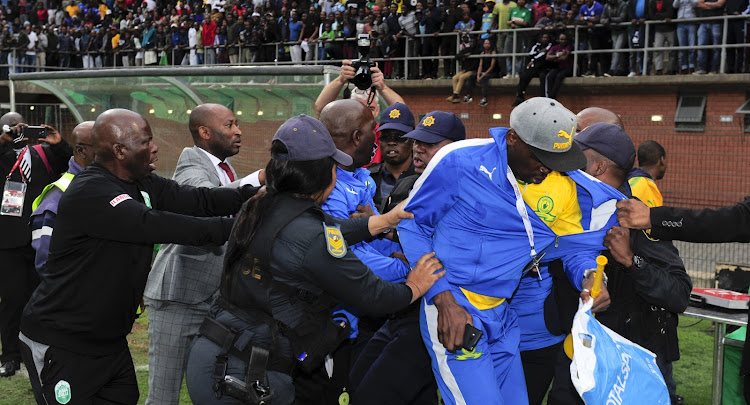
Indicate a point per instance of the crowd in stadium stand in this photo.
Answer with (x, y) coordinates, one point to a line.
(43, 35)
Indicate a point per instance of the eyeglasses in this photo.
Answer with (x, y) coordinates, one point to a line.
(385, 138)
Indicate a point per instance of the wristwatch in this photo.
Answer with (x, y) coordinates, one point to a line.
(638, 263)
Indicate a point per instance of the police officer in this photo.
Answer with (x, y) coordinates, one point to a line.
(272, 320)
(396, 150)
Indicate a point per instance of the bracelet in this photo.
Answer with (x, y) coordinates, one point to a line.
(415, 286)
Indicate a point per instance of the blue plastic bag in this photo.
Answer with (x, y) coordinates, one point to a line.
(608, 369)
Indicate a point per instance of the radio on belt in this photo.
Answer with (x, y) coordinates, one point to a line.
(719, 298)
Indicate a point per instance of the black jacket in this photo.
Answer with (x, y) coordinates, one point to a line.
(100, 254)
(16, 231)
(727, 224)
(646, 301)
(377, 171)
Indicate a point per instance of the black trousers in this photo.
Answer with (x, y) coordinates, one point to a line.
(18, 280)
(430, 47)
(88, 379)
(394, 368)
(525, 79)
(555, 79)
(539, 369)
(448, 47)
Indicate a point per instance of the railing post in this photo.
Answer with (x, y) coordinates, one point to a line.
(276, 58)
(723, 61)
(575, 51)
(406, 58)
(644, 70)
(513, 58)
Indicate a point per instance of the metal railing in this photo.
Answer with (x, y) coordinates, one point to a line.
(515, 55)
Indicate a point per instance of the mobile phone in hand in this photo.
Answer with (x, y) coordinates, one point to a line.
(32, 132)
(471, 337)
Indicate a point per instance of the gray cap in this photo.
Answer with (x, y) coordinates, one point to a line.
(306, 139)
(548, 128)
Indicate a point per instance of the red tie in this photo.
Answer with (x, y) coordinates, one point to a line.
(227, 170)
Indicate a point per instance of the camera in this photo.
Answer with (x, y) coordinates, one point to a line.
(363, 75)
(257, 394)
(34, 132)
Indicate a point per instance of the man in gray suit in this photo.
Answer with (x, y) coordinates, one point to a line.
(184, 279)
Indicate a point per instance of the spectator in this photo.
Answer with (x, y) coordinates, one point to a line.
(487, 70)
(6, 46)
(41, 48)
(408, 42)
(500, 18)
(637, 13)
(148, 43)
(448, 43)
(560, 61)
(735, 35)
(65, 47)
(538, 10)
(662, 10)
(487, 22)
(686, 34)
(208, 34)
(233, 39)
(616, 12)
(536, 67)
(709, 33)
(590, 15)
(432, 21)
(192, 44)
(53, 45)
(295, 30)
(520, 17)
(468, 67)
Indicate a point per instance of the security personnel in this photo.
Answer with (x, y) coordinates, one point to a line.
(74, 328)
(45, 206)
(396, 150)
(380, 375)
(272, 322)
(648, 284)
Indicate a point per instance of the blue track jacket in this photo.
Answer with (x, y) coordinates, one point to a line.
(465, 210)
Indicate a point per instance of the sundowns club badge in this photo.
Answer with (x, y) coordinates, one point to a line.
(62, 392)
(335, 241)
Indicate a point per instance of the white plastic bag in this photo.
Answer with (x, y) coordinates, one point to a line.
(608, 369)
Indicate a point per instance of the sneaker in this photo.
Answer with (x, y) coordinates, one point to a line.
(9, 368)
(450, 98)
(456, 100)
(632, 74)
(508, 76)
(609, 74)
(588, 74)
(483, 102)
(518, 101)
(713, 73)
(699, 72)
(468, 99)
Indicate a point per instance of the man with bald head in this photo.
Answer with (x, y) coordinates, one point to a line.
(592, 115)
(184, 279)
(74, 327)
(35, 164)
(352, 128)
(45, 206)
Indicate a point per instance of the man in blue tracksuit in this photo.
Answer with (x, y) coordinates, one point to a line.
(469, 208)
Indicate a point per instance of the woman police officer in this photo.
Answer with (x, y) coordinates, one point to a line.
(286, 267)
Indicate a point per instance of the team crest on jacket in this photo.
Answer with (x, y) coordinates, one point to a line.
(335, 241)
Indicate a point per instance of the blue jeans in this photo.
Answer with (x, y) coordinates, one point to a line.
(709, 34)
(686, 37)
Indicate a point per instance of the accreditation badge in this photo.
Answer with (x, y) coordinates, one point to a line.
(13, 196)
(335, 241)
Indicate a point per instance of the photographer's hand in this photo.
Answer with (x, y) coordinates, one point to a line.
(378, 80)
(53, 137)
(347, 72)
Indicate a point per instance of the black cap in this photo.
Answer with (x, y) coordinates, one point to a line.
(306, 139)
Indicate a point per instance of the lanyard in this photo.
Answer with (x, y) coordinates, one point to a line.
(521, 208)
(18, 162)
